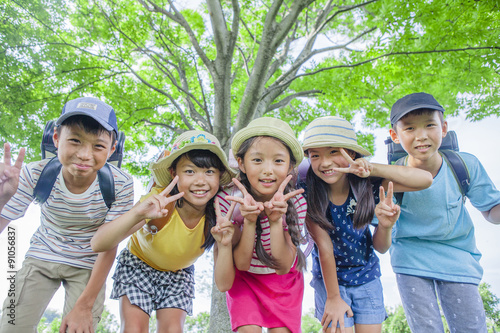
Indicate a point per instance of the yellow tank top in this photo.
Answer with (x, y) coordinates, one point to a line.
(172, 248)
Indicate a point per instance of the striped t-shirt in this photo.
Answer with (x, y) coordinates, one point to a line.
(256, 266)
(67, 220)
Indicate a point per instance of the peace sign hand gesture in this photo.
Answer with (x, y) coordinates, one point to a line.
(277, 206)
(249, 209)
(9, 174)
(359, 167)
(224, 228)
(387, 211)
(154, 206)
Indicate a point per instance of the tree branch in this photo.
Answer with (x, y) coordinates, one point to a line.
(285, 101)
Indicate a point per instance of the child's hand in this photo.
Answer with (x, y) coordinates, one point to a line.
(154, 206)
(387, 211)
(277, 206)
(335, 308)
(9, 174)
(249, 208)
(224, 229)
(359, 167)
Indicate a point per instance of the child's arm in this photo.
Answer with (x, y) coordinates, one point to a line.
(404, 178)
(79, 319)
(110, 234)
(9, 179)
(223, 250)
(387, 213)
(250, 210)
(493, 215)
(282, 247)
(335, 307)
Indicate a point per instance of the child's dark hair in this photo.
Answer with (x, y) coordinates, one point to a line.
(291, 213)
(318, 199)
(88, 124)
(202, 158)
(419, 112)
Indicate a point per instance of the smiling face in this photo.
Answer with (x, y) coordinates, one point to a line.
(266, 164)
(81, 154)
(198, 184)
(421, 134)
(324, 160)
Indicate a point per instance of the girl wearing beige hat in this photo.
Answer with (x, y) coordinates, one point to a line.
(170, 228)
(342, 189)
(267, 287)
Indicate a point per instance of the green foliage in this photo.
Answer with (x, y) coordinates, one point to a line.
(51, 322)
(396, 321)
(174, 67)
(198, 323)
(491, 306)
(310, 324)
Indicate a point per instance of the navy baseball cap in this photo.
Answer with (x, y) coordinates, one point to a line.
(413, 102)
(92, 107)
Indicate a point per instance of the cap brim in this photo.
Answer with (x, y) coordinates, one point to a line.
(101, 121)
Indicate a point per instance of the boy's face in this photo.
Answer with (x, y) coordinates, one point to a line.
(82, 153)
(420, 135)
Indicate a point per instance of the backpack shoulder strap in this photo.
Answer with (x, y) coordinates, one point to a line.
(459, 168)
(107, 184)
(399, 195)
(47, 180)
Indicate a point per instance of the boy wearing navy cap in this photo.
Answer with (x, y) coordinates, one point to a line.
(60, 250)
(433, 252)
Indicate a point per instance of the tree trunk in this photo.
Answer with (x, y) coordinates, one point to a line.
(219, 316)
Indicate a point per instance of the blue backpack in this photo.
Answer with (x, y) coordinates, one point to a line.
(448, 150)
(49, 173)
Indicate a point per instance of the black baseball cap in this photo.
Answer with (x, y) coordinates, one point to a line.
(412, 102)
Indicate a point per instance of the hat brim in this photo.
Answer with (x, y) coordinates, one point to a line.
(161, 168)
(101, 121)
(251, 131)
(416, 107)
(320, 144)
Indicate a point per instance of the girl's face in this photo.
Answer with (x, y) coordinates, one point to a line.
(324, 159)
(198, 184)
(266, 164)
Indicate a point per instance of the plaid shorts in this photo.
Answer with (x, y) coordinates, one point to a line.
(151, 289)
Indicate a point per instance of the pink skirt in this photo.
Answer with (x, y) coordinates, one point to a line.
(266, 300)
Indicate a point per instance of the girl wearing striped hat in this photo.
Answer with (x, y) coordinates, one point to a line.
(343, 192)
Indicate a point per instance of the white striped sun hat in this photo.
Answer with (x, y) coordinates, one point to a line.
(331, 131)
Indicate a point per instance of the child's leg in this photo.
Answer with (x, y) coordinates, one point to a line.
(462, 306)
(133, 318)
(34, 286)
(376, 328)
(250, 329)
(74, 281)
(419, 299)
(170, 320)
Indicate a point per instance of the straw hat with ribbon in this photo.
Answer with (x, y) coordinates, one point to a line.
(272, 127)
(334, 132)
(185, 142)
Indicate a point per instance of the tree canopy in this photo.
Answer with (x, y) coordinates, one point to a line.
(167, 66)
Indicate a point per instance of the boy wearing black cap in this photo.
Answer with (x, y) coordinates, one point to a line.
(433, 250)
(60, 250)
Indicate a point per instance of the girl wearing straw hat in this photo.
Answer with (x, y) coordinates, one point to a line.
(268, 282)
(342, 189)
(170, 228)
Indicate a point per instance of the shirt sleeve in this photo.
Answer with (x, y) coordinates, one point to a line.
(124, 193)
(482, 192)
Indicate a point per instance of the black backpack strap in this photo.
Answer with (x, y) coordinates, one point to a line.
(47, 180)
(399, 195)
(459, 168)
(107, 184)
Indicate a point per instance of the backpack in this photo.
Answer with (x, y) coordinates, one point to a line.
(49, 173)
(448, 150)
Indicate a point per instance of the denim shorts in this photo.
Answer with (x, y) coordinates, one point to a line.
(366, 302)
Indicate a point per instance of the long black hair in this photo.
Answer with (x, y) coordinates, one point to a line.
(202, 159)
(291, 217)
(318, 199)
